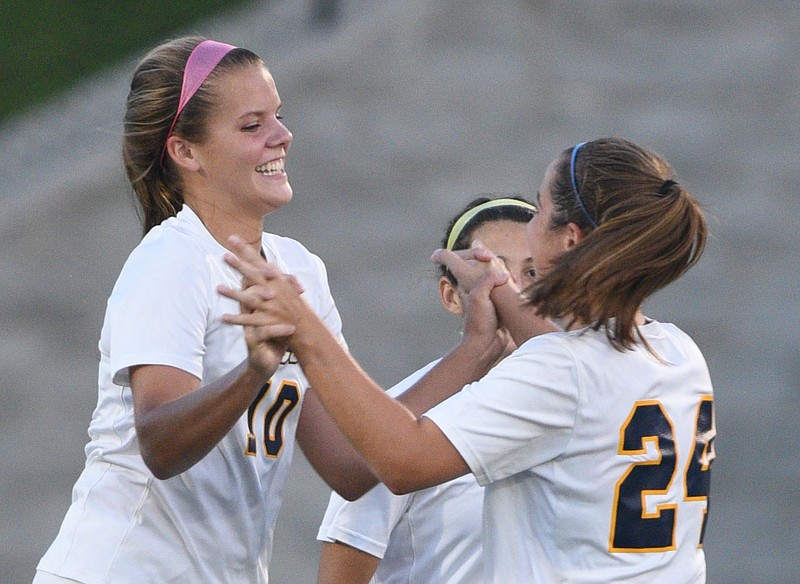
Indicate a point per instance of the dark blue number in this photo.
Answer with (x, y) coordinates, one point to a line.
(632, 527)
(287, 399)
(698, 471)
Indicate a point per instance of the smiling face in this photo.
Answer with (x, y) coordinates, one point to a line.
(240, 162)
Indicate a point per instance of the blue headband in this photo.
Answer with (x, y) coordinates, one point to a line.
(575, 184)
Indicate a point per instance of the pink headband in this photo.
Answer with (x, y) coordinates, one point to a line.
(201, 62)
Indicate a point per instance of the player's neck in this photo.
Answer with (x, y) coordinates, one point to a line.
(221, 224)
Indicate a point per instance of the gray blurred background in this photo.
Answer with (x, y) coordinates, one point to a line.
(401, 111)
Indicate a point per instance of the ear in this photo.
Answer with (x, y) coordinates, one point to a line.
(573, 235)
(450, 298)
(182, 153)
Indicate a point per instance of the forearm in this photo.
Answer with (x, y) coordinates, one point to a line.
(330, 453)
(341, 563)
(517, 316)
(463, 365)
(176, 434)
(329, 450)
(388, 435)
(352, 399)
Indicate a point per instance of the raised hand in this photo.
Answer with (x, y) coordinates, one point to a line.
(470, 265)
(481, 321)
(478, 268)
(266, 329)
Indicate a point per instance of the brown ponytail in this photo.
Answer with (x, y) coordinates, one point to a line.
(649, 232)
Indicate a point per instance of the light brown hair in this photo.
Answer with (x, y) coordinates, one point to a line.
(649, 232)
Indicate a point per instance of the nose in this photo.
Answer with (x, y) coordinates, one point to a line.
(281, 136)
(288, 137)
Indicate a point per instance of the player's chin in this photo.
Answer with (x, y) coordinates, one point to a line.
(278, 196)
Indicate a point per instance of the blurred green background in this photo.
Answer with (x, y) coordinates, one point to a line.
(48, 46)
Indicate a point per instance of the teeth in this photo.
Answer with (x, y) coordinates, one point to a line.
(272, 167)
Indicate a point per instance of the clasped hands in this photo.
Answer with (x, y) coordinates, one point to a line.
(474, 267)
(479, 272)
(271, 304)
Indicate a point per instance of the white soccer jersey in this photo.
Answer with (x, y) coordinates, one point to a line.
(432, 535)
(214, 522)
(596, 461)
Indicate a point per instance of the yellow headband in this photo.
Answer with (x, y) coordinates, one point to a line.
(462, 222)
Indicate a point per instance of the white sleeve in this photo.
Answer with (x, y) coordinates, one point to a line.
(158, 310)
(365, 524)
(521, 414)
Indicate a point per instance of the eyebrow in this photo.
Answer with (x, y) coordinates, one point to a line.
(526, 260)
(260, 113)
